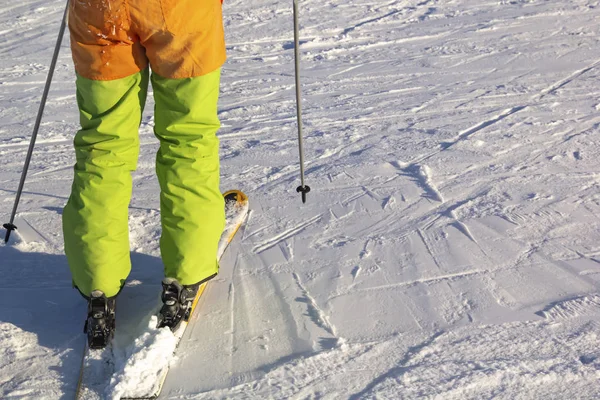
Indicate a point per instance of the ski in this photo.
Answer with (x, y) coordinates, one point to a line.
(98, 376)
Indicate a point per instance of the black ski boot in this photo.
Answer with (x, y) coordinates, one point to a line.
(100, 323)
(177, 303)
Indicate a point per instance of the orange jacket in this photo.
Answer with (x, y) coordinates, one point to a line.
(112, 39)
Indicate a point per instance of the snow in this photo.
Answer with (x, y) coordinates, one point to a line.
(448, 248)
(145, 360)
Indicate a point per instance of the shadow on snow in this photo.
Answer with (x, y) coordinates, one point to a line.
(37, 297)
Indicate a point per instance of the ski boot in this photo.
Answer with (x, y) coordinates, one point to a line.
(177, 303)
(100, 323)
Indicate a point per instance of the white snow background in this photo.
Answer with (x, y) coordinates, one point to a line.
(450, 248)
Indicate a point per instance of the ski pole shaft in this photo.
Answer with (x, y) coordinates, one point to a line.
(303, 189)
(10, 226)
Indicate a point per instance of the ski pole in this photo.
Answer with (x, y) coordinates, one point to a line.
(304, 189)
(10, 226)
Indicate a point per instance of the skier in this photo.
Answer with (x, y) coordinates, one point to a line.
(113, 44)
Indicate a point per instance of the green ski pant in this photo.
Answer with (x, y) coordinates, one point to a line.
(95, 219)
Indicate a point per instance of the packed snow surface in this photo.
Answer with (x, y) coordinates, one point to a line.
(449, 248)
(143, 362)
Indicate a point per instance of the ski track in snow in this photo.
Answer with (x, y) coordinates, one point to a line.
(448, 248)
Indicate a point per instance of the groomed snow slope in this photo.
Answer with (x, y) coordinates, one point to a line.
(450, 248)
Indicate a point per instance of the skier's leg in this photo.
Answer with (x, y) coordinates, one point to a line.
(184, 42)
(95, 222)
(112, 80)
(187, 165)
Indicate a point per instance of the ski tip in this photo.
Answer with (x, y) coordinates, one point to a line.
(235, 195)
